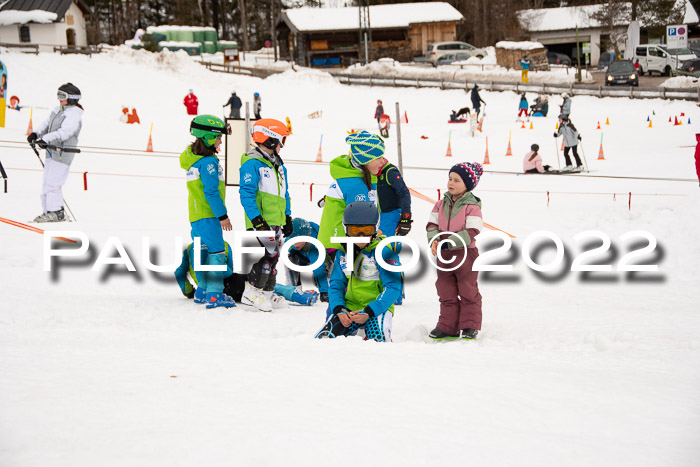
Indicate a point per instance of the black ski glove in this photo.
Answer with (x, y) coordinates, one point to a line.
(42, 144)
(579, 137)
(259, 223)
(555, 135)
(32, 137)
(324, 297)
(288, 228)
(404, 224)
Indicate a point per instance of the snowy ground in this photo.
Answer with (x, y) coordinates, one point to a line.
(100, 368)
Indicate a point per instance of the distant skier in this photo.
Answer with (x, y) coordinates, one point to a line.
(257, 105)
(532, 163)
(60, 129)
(191, 103)
(697, 155)
(525, 66)
(523, 106)
(565, 107)
(379, 111)
(476, 99)
(235, 102)
(571, 139)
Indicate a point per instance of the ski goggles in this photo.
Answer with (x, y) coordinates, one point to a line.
(361, 230)
(63, 96)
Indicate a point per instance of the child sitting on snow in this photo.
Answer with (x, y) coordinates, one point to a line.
(532, 163)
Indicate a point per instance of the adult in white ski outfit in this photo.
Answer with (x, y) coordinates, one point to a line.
(59, 131)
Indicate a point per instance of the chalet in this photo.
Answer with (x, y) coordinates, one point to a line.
(44, 23)
(331, 36)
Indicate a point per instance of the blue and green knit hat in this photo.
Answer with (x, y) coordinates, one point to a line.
(365, 147)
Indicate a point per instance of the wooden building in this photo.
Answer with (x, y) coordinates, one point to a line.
(330, 36)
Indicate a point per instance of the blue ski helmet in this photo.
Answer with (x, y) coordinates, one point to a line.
(361, 213)
(365, 147)
(257, 94)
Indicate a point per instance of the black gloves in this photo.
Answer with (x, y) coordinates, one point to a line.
(42, 144)
(324, 297)
(404, 224)
(555, 134)
(32, 137)
(288, 227)
(259, 223)
(189, 294)
(579, 137)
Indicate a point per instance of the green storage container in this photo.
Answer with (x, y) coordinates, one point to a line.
(187, 35)
(221, 45)
(210, 35)
(198, 35)
(209, 47)
(167, 33)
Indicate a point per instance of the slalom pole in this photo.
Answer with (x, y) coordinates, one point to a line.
(42, 164)
(32, 229)
(556, 147)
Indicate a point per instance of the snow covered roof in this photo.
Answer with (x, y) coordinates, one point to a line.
(397, 15)
(523, 45)
(556, 19)
(36, 11)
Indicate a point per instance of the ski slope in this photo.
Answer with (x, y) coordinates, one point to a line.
(114, 368)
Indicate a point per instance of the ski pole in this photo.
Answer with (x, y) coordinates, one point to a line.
(583, 153)
(42, 164)
(556, 147)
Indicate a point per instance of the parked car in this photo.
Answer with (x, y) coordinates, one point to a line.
(438, 49)
(691, 67)
(655, 57)
(606, 58)
(449, 58)
(621, 72)
(555, 58)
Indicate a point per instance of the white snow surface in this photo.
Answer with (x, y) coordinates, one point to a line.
(521, 45)
(399, 15)
(681, 82)
(8, 17)
(120, 369)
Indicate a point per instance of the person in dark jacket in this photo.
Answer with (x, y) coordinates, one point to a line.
(236, 104)
(379, 111)
(476, 99)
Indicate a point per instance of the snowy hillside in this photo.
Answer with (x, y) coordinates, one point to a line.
(112, 368)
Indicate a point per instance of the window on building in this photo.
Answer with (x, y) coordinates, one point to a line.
(70, 37)
(24, 33)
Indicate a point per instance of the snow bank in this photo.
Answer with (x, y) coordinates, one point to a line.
(8, 17)
(177, 61)
(303, 75)
(524, 45)
(681, 82)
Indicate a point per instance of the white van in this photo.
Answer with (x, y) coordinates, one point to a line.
(659, 58)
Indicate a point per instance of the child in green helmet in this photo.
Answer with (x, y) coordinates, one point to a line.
(207, 211)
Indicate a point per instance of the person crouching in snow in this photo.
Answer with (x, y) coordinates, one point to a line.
(60, 130)
(265, 199)
(362, 293)
(458, 214)
(207, 209)
(532, 163)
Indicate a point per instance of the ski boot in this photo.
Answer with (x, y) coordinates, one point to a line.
(217, 299)
(438, 335)
(306, 297)
(256, 298)
(469, 333)
(278, 301)
(200, 295)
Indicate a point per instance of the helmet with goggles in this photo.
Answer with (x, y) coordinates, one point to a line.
(69, 92)
(270, 133)
(360, 219)
(208, 128)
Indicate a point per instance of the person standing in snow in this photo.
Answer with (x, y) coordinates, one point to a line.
(571, 139)
(191, 103)
(525, 66)
(265, 199)
(522, 106)
(257, 105)
(235, 102)
(458, 214)
(532, 163)
(379, 111)
(362, 293)
(476, 99)
(697, 155)
(565, 107)
(60, 130)
(207, 209)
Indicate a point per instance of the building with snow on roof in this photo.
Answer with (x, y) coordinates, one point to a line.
(44, 23)
(331, 36)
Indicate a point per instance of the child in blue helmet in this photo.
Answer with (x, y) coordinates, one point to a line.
(362, 293)
(257, 105)
(304, 254)
(207, 211)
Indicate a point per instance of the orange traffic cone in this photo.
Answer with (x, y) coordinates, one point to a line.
(30, 128)
(650, 123)
(478, 125)
(598, 127)
(319, 156)
(523, 125)
(675, 121)
(669, 120)
(149, 148)
(556, 127)
(601, 156)
(405, 117)
(531, 127)
(509, 152)
(607, 121)
(486, 155)
(449, 150)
